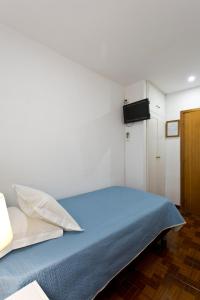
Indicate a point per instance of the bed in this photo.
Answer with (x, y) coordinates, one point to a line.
(119, 224)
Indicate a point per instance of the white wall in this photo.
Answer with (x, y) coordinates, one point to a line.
(157, 102)
(135, 145)
(60, 124)
(175, 103)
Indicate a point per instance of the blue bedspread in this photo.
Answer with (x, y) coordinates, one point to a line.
(119, 223)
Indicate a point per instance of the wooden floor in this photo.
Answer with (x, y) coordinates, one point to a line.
(170, 273)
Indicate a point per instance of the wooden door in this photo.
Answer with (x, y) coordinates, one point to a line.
(190, 160)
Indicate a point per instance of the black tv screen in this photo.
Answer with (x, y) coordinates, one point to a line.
(136, 111)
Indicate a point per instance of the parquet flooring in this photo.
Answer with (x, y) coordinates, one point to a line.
(167, 273)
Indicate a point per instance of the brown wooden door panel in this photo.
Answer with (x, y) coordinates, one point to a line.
(190, 160)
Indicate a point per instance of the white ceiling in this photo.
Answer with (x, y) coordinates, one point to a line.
(125, 40)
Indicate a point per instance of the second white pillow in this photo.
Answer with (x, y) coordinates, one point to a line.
(37, 204)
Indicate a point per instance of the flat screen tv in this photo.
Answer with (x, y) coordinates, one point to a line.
(136, 111)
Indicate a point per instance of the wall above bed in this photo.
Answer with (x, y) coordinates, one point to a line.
(61, 124)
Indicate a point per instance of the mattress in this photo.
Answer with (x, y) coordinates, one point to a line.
(119, 223)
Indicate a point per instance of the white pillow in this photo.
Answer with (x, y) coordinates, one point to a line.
(28, 231)
(37, 204)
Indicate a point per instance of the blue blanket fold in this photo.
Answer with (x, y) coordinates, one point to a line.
(119, 223)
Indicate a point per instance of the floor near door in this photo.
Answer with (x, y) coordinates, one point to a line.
(169, 273)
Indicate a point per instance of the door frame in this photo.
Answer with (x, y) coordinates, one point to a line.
(182, 144)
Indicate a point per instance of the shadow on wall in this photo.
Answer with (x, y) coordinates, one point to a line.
(96, 159)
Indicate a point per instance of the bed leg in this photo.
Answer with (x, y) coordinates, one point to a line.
(162, 243)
